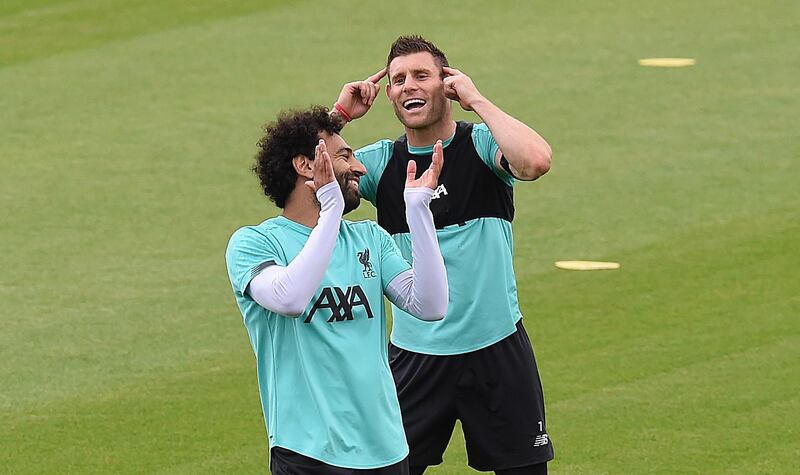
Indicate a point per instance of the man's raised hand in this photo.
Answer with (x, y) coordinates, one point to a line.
(322, 168)
(459, 87)
(357, 97)
(430, 178)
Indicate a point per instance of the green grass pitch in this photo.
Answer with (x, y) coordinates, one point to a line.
(126, 133)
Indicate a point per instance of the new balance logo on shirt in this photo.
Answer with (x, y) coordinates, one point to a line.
(341, 303)
(541, 440)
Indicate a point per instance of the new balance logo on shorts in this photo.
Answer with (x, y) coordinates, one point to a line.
(541, 440)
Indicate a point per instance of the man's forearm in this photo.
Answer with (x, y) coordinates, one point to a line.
(421, 291)
(288, 290)
(526, 151)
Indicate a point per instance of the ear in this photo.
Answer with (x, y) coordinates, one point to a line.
(388, 86)
(303, 167)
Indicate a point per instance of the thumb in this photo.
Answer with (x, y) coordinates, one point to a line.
(411, 171)
(450, 90)
(310, 184)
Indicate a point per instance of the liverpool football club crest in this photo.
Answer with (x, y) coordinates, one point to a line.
(363, 258)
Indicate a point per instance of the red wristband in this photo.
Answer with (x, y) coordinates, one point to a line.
(342, 112)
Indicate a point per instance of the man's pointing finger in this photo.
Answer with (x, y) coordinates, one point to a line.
(377, 76)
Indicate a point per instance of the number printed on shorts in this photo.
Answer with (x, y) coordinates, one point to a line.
(541, 439)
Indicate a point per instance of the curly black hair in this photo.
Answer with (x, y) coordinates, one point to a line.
(295, 132)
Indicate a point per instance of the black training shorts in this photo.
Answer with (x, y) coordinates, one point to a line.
(287, 462)
(496, 394)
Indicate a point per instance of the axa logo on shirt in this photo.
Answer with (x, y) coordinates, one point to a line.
(340, 302)
(439, 191)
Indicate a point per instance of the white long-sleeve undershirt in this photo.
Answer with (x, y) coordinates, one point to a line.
(421, 291)
(287, 290)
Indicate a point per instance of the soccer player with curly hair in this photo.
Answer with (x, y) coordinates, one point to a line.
(311, 285)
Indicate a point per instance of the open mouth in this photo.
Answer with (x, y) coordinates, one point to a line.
(413, 104)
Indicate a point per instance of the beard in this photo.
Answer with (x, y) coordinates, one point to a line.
(352, 197)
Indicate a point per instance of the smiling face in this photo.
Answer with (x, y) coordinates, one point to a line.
(346, 168)
(416, 90)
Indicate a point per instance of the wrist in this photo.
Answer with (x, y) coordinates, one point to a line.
(340, 111)
(330, 196)
(418, 196)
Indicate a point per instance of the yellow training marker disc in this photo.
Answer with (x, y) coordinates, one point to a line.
(667, 62)
(587, 265)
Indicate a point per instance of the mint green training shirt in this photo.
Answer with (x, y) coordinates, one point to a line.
(478, 253)
(326, 388)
